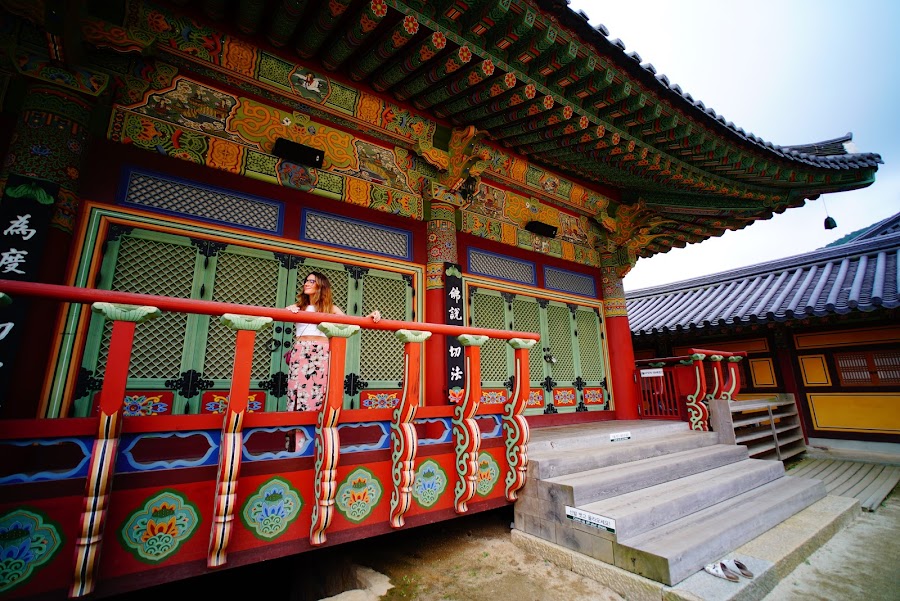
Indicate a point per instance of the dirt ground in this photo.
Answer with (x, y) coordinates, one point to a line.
(471, 559)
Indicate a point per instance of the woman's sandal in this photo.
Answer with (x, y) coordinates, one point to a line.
(719, 570)
(736, 566)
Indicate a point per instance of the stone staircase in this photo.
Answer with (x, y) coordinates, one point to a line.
(661, 503)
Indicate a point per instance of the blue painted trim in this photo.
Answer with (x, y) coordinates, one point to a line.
(79, 471)
(593, 294)
(304, 451)
(368, 224)
(531, 264)
(125, 180)
(127, 463)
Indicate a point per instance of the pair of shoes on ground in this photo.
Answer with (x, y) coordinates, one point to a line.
(729, 569)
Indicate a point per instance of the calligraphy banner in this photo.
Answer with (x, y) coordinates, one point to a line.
(25, 212)
(453, 287)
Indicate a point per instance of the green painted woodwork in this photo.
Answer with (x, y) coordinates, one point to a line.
(571, 332)
(176, 343)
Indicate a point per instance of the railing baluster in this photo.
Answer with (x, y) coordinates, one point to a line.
(231, 446)
(733, 386)
(328, 442)
(103, 454)
(698, 414)
(404, 441)
(515, 426)
(465, 429)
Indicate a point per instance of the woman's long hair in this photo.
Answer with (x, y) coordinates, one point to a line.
(326, 300)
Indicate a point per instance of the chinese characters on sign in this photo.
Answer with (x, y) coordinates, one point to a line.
(23, 237)
(454, 316)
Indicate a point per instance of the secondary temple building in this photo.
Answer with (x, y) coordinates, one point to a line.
(483, 173)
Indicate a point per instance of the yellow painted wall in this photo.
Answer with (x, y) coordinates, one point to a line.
(763, 373)
(814, 370)
(876, 413)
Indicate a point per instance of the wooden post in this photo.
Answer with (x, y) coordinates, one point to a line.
(468, 438)
(514, 424)
(103, 454)
(231, 446)
(328, 443)
(404, 442)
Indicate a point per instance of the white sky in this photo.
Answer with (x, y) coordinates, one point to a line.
(791, 72)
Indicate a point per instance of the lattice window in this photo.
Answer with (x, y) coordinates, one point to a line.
(358, 235)
(140, 267)
(868, 368)
(487, 312)
(568, 281)
(559, 329)
(380, 352)
(527, 318)
(244, 280)
(171, 196)
(500, 267)
(586, 323)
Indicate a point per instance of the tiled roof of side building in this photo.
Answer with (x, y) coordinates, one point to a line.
(858, 276)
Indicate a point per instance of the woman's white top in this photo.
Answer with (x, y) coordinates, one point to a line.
(309, 329)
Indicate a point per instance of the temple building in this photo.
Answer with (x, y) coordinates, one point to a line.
(483, 173)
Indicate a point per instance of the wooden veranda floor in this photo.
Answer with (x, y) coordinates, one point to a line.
(870, 483)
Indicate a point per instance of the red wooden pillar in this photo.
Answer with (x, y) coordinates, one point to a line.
(618, 337)
(441, 249)
(103, 454)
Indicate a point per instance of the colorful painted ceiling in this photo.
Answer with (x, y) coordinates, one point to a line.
(532, 78)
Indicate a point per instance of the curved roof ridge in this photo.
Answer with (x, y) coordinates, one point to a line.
(602, 40)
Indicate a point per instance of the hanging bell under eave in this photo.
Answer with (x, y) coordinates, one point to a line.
(830, 223)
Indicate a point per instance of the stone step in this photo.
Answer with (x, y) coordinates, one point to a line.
(580, 436)
(556, 463)
(676, 550)
(646, 509)
(602, 483)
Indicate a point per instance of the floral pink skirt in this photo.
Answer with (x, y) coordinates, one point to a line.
(307, 374)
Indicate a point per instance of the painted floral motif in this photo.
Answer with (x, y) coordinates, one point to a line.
(410, 25)
(593, 396)
(141, 405)
(157, 530)
(27, 541)
(564, 397)
(488, 474)
(380, 400)
(379, 8)
(218, 403)
(358, 495)
(429, 483)
(271, 509)
(535, 398)
(493, 397)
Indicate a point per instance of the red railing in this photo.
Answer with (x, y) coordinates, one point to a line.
(127, 311)
(678, 388)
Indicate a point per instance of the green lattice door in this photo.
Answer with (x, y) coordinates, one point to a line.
(150, 263)
(189, 355)
(527, 318)
(566, 361)
(489, 309)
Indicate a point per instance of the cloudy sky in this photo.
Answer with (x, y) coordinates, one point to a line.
(791, 72)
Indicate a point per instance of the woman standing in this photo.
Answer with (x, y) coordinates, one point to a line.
(308, 359)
